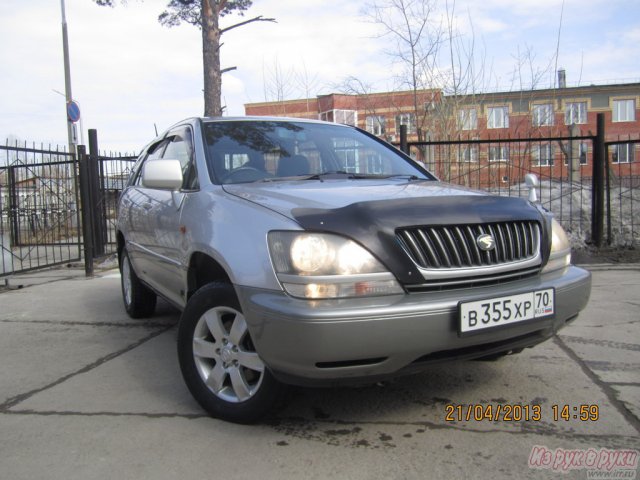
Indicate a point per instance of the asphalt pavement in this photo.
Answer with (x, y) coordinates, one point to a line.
(88, 393)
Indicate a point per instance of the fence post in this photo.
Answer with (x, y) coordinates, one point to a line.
(608, 192)
(95, 193)
(403, 139)
(598, 179)
(13, 209)
(574, 154)
(85, 201)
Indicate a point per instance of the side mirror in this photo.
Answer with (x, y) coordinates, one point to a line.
(162, 174)
(531, 181)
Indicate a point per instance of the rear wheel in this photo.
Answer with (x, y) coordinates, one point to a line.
(139, 300)
(218, 360)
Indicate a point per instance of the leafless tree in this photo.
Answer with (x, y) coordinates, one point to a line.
(416, 35)
(277, 81)
(307, 82)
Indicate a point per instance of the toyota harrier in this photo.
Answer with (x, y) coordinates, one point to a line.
(311, 253)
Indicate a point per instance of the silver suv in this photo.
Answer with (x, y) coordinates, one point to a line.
(303, 252)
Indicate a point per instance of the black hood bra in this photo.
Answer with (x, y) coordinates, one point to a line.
(373, 224)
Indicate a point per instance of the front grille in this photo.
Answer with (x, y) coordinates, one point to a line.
(452, 247)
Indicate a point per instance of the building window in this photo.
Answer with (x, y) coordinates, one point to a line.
(623, 153)
(624, 110)
(542, 115)
(468, 154)
(408, 119)
(584, 148)
(347, 117)
(499, 154)
(326, 116)
(468, 119)
(575, 112)
(375, 125)
(542, 155)
(374, 165)
(498, 117)
(347, 152)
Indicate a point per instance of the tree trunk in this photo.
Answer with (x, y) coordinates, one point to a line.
(211, 59)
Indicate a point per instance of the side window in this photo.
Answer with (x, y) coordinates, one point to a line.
(134, 176)
(180, 147)
(153, 152)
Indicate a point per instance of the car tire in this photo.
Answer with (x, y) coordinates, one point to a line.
(139, 300)
(219, 363)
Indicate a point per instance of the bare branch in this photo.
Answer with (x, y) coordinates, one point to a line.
(277, 82)
(259, 18)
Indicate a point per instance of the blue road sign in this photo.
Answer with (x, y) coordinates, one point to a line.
(73, 111)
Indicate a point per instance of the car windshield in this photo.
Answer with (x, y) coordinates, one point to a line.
(265, 151)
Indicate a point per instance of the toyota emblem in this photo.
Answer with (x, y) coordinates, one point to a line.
(486, 242)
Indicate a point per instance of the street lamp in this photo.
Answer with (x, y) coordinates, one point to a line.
(67, 80)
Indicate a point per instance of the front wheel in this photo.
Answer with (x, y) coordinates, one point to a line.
(219, 363)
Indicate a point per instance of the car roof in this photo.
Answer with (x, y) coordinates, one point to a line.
(195, 120)
(266, 119)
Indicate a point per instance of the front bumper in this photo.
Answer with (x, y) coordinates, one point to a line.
(333, 341)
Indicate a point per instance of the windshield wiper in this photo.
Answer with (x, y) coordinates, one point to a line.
(330, 174)
(404, 175)
(339, 174)
(360, 176)
(342, 174)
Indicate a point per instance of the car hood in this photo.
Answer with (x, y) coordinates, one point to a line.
(286, 196)
(370, 211)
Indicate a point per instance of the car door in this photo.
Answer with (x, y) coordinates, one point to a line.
(164, 240)
(138, 222)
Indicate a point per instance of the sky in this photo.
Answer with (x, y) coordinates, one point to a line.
(131, 75)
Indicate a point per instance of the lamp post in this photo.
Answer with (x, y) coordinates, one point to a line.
(67, 80)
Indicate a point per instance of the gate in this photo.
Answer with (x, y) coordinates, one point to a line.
(39, 223)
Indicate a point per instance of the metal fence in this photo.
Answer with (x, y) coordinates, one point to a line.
(622, 192)
(113, 173)
(591, 186)
(42, 219)
(102, 178)
(39, 223)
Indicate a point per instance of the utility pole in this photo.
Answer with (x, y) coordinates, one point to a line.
(67, 82)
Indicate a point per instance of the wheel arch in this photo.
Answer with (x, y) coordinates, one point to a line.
(202, 270)
(120, 242)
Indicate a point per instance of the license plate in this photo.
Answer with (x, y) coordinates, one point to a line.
(500, 311)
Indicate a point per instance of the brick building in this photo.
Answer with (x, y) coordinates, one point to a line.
(540, 115)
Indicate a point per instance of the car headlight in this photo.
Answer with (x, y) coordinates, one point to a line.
(560, 256)
(320, 265)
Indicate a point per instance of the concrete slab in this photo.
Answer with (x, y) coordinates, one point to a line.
(96, 300)
(39, 355)
(102, 397)
(96, 447)
(152, 377)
